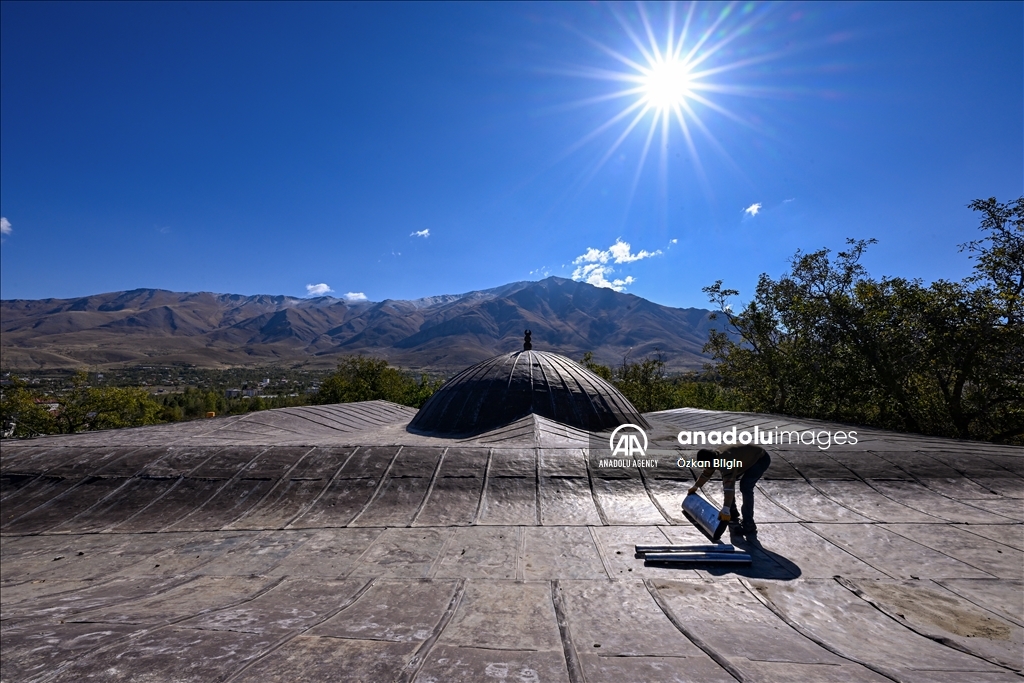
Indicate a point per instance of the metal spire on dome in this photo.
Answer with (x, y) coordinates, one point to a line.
(527, 344)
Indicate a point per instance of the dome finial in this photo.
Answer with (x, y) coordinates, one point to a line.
(527, 345)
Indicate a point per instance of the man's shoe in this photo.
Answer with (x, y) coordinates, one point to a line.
(735, 528)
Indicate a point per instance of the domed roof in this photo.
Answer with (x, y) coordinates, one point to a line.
(505, 388)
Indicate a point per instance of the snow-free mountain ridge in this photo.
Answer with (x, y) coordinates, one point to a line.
(446, 332)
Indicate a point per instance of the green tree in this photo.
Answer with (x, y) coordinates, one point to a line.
(193, 403)
(648, 387)
(827, 341)
(602, 371)
(705, 391)
(999, 255)
(83, 408)
(21, 415)
(360, 378)
(78, 408)
(644, 383)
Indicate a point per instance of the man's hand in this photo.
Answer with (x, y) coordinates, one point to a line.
(724, 515)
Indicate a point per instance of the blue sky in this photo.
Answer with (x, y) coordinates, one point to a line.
(406, 150)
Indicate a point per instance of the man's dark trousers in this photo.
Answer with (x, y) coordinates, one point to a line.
(747, 482)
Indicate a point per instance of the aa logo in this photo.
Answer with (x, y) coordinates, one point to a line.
(625, 441)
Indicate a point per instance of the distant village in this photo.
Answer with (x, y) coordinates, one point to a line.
(264, 382)
(262, 387)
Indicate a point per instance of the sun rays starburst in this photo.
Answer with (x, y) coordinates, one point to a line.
(669, 85)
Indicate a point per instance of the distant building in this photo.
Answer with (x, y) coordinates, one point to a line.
(52, 406)
(233, 393)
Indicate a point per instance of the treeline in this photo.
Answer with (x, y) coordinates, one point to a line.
(824, 341)
(357, 378)
(283, 378)
(649, 388)
(25, 412)
(195, 402)
(360, 378)
(828, 341)
(79, 405)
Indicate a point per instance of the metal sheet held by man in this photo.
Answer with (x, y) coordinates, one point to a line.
(696, 558)
(720, 553)
(704, 516)
(642, 550)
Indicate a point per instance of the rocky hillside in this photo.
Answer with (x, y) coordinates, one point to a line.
(445, 332)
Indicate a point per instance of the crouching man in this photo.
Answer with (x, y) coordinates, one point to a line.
(743, 463)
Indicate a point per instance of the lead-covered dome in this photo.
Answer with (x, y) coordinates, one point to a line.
(506, 388)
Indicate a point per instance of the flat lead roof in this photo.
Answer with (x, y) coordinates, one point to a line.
(229, 549)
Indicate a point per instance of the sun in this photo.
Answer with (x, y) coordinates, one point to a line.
(672, 81)
(666, 85)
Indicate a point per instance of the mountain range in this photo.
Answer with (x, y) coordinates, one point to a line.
(444, 333)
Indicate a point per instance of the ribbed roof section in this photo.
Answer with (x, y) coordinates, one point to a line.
(505, 388)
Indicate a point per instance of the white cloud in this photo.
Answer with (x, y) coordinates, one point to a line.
(593, 256)
(355, 296)
(593, 265)
(753, 209)
(620, 252)
(597, 274)
(420, 233)
(318, 290)
(5, 227)
(673, 241)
